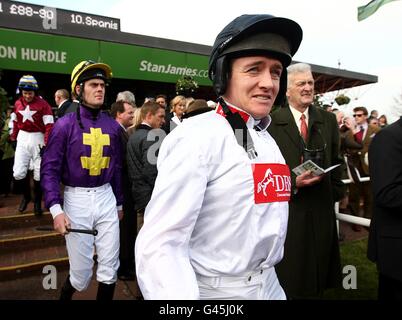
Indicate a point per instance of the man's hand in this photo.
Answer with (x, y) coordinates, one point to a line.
(60, 223)
(352, 125)
(120, 214)
(349, 123)
(307, 179)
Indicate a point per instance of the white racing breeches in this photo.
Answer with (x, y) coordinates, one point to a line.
(27, 154)
(92, 208)
(258, 285)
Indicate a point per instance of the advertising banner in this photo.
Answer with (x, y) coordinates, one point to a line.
(31, 51)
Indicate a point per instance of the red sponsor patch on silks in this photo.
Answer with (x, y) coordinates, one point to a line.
(272, 182)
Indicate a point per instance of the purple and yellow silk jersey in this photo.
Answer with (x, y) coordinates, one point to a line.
(82, 158)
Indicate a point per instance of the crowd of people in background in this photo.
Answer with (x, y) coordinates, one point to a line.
(117, 169)
(64, 103)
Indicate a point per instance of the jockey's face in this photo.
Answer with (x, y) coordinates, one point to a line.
(254, 84)
(28, 95)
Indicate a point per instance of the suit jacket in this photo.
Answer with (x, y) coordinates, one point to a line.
(169, 124)
(385, 238)
(311, 259)
(128, 202)
(61, 111)
(141, 171)
(355, 156)
(71, 108)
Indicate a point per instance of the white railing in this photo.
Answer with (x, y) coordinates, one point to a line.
(347, 217)
(353, 219)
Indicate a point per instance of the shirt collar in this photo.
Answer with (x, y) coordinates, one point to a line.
(364, 125)
(145, 124)
(297, 114)
(122, 126)
(62, 102)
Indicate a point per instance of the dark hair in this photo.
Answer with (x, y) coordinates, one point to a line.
(365, 112)
(161, 96)
(384, 117)
(196, 107)
(150, 106)
(117, 106)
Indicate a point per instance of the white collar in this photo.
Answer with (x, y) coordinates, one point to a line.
(364, 125)
(297, 114)
(122, 126)
(62, 102)
(144, 123)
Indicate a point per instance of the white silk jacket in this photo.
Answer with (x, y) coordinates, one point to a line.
(204, 216)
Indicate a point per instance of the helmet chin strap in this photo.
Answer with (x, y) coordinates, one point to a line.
(79, 97)
(243, 137)
(81, 102)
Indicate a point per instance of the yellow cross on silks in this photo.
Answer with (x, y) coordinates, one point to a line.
(95, 163)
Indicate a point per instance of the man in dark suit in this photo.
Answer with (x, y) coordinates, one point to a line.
(311, 261)
(385, 238)
(141, 159)
(161, 99)
(123, 113)
(357, 158)
(61, 97)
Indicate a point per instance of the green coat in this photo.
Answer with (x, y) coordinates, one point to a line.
(311, 261)
(5, 146)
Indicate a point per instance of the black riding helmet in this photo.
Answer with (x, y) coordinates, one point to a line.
(251, 35)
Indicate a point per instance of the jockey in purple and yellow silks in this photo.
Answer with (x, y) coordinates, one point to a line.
(84, 154)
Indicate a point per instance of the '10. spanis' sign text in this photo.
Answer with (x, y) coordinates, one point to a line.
(50, 18)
